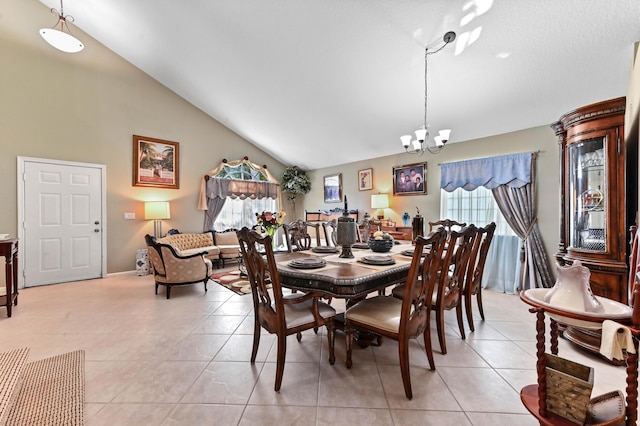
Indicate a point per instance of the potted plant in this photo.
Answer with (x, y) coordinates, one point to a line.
(295, 181)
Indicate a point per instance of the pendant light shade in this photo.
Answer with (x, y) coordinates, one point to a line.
(58, 37)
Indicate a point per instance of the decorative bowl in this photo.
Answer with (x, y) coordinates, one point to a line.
(380, 246)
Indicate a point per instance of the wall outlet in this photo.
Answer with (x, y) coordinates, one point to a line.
(129, 216)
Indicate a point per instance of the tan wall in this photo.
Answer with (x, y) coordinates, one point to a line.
(540, 138)
(632, 112)
(85, 107)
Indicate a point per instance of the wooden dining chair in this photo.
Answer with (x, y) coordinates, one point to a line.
(298, 237)
(448, 293)
(280, 315)
(404, 319)
(448, 225)
(330, 229)
(475, 271)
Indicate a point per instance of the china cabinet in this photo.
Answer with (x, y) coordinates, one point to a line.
(596, 205)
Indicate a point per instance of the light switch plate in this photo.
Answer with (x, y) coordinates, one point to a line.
(129, 216)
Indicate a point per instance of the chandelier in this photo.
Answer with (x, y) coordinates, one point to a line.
(421, 143)
(58, 38)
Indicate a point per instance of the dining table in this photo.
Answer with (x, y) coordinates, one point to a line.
(346, 278)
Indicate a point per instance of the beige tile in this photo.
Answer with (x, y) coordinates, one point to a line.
(498, 419)
(239, 348)
(481, 389)
(204, 414)
(430, 418)
(162, 382)
(224, 383)
(429, 390)
(355, 416)
(129, 414)
(149, 361)
(299, 385)
(278, 415)
(502, 354)
(359, 386)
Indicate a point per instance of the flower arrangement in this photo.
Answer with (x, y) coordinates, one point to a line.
(270, 221)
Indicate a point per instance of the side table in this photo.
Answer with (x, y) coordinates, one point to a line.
(9, 249)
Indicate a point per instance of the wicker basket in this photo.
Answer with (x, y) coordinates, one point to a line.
(569, 386)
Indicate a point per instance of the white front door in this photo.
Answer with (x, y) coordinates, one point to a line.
(63, 232)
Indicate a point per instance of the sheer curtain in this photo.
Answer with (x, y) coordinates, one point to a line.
(502, 268)
(232, 194)
(512, 181)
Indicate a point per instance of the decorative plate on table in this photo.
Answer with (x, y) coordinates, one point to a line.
(308, 263)
(409, 252)
(377, 260)
(325, 249)
(360, 246)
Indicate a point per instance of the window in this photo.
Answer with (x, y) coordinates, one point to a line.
(477, 207)
(247, 189)
(502, 267)
(238, 213)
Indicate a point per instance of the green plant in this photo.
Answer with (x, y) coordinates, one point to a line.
(295, 181)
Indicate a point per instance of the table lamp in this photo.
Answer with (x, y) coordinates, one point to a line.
(156, 211)
(381, 202)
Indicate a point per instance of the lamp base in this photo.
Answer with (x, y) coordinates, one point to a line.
(346, 252)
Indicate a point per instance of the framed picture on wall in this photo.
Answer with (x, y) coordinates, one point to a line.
(333, 188)
(410, 179)
(156, 163)
(365, 179)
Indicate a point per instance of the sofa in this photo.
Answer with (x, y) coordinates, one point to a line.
(227, 242)
(188, 244)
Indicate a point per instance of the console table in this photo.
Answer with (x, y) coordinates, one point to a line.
(9, 249)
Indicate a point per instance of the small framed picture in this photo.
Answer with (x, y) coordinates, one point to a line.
(333, 188)
(155, 163)
(365, 179)
(410, 179)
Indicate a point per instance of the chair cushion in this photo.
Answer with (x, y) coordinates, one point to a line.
(226, 239)
(300, 313)
(188, 241)
(229, 251)
(382, 312)
(212, 251)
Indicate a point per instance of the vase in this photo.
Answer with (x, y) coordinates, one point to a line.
(573, 291)
(272, 232)
(406, 219)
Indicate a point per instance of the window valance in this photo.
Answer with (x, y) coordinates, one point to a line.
(513, 170)
(222, 187)
(238, 179)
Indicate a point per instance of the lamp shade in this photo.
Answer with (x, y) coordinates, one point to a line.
(61, 40)
(156, 210)
(380, 201)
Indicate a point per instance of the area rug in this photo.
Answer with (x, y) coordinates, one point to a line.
(233, 281)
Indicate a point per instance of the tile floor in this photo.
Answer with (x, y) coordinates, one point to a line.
(185, 361)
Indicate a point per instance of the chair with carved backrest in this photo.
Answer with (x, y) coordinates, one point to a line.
(448, 225)
(475, 271)
(403, 319)
(298, 237)
(280, 315)
(448, 293)
(330, 232)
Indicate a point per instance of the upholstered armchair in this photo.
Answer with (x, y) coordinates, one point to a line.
(171, 269)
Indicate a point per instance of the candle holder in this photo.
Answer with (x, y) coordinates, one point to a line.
(346, 232)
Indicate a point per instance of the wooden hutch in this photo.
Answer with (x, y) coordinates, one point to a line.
(597, 206)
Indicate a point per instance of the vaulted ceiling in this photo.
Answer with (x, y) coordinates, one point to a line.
(318, 83)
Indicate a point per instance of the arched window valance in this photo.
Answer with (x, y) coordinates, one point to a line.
(513, 170)
(238, 179)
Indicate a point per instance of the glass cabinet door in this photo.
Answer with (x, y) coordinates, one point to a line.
(587, 186)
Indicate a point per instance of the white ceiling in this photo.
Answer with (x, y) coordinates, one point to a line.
(318, 83)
